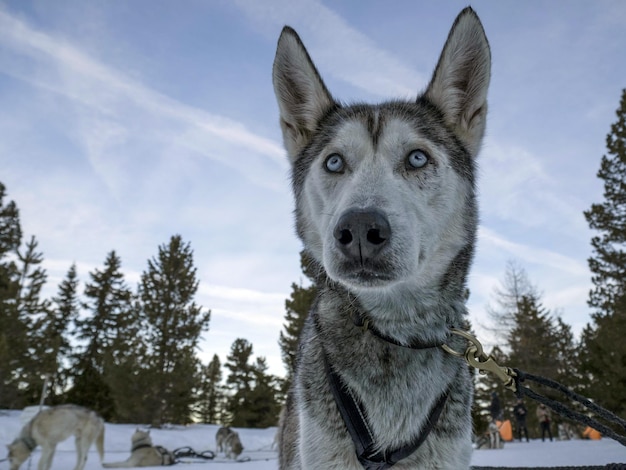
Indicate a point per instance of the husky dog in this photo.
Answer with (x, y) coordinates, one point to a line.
(227, 441)
(567, 432)
(220, 437)
(53, 425)
(491, 439)
(386, 209)
(493, 431)
(143, 453)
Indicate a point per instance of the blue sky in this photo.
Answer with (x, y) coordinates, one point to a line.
(123, 123)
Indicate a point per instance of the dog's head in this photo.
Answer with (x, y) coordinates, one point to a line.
(235, 444)
(18, 453)
(385, 193)
(141, 437)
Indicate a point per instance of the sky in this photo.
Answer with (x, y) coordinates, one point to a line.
(124, 123)
(258, 448)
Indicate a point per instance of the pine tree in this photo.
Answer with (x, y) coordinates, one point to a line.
(543, 344)
(238, 363)
(109, 306)
(604, 361)
(210, 394)
(262, 403)
(240, 379)
(253, 400)
(568, 355)
(56, 327)
(297, 309)
(35, 362)
(127, 372)
(12, 328)
(23, 344)
(531, 341)
(259, 407)
(175, 325)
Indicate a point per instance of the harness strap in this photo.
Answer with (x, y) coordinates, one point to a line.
(355, 419)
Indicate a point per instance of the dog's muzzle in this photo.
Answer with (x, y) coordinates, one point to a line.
(360, 234)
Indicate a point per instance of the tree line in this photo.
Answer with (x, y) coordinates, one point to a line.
(129, 354)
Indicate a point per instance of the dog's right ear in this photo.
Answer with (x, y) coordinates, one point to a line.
(302, 96)
(459, 85)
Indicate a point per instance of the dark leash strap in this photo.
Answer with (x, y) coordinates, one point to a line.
(513, 380)
(567, 412)
(355, 418)
(188, 452)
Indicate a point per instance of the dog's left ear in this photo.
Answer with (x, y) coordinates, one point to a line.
(302, 96)
(459, 85)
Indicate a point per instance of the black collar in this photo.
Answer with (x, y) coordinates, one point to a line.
(355, 418)
(29, 442)
(139, 446)
(361, 321)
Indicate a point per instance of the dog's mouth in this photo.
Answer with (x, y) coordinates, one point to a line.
(369, 275)
(369, 279)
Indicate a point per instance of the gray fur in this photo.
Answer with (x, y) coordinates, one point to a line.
(409, 278)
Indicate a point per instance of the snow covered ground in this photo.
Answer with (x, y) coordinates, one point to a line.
(258, 448)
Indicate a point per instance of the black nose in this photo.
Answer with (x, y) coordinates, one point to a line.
(360, 234)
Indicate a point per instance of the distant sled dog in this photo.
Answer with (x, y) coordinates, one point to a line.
(227, 441)
(495, 441)
(54, 425)
(386, 209)
(143, 453)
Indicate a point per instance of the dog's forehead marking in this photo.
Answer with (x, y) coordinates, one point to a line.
(376, 133)
(375, 126)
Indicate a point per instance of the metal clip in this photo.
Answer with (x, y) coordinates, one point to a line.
(476, 357)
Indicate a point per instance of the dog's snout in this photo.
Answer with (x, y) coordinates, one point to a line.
(360, 234)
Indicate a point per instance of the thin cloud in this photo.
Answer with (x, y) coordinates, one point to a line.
(337, 48)
(531, 254)
(62, 68)
(515, 186)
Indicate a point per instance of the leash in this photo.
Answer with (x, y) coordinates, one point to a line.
(513, 380)
(207, 455)
(188, 452)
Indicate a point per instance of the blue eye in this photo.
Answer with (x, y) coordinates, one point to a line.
(416, 159)
(334, 163)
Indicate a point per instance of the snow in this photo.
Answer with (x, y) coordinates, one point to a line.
(258, 448)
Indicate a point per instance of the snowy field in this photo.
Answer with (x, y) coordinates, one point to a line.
(260, 455)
